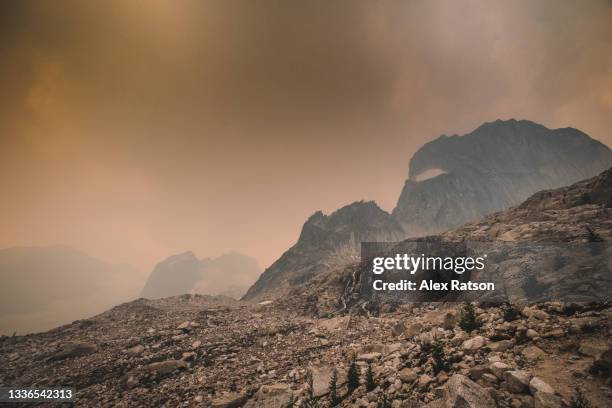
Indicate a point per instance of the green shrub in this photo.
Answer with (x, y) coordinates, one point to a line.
(580, 401)
(439, 357)
(384, 402)
(468, 322)
(510, 313)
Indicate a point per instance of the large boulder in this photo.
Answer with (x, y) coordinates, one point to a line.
(74, 349)
(546, 400)
(460, 391)
(407, 375)
(532, 353)
(538, 385)
(320, 379)
(501, 345)
(475, 343)
(229, 400)
(517, 381)
(498, 369)
(163, 368)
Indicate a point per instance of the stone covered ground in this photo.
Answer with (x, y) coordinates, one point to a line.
(204, 351)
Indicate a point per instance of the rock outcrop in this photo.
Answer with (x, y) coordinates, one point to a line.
(496, 166)
(229, 274)
(326, 242)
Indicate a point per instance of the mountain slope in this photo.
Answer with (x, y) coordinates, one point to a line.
(43, 287)
(558, 240)
(496, 166)
(229, 274)
(326, 241)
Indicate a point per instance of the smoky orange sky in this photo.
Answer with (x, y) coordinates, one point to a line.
(133, 130)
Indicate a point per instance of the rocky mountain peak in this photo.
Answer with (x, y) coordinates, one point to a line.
(326, 241)
(496, 166)
(356, 219)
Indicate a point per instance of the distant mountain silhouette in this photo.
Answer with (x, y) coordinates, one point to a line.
(46, 286)
(229, 274)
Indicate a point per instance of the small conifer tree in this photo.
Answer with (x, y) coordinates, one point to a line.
(510, 313)
(353, 374)
(439, 357)
(468, 321)
(369, 380)
(334, 399)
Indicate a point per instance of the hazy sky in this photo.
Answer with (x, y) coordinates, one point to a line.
(137, 129)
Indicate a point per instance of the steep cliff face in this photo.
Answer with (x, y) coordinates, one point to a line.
(326, 241)
(579, 213)
(495, 167)
(230, 275)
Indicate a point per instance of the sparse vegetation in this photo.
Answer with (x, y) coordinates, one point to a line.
(353, 374)
(580, 401)
(468, 322)
(334, 398)
(510, 312)
(369, 379)
(310, 401)
(434, 350)
(440, 361)
(384, 402)
(521, 361)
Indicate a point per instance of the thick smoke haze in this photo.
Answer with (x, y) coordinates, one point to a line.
(133, 130)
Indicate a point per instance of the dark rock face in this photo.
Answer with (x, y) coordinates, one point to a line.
(326, 242)
(579, 213)
(185, 273)
(496, 166)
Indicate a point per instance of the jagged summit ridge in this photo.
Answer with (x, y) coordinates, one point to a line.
(496, 166)
(326, 241)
